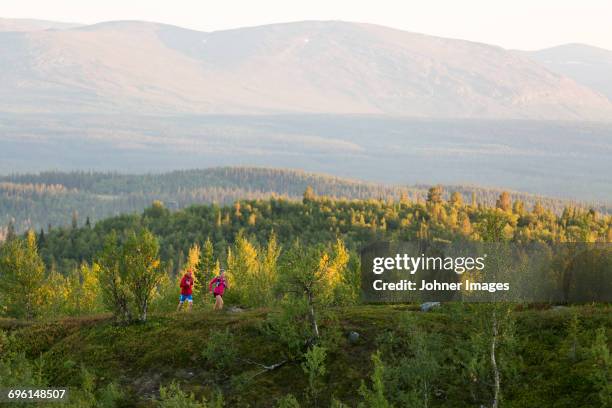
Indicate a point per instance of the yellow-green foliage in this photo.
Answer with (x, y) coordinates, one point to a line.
(130, 274)
(252, 271)
(75, 295)
(22, 275)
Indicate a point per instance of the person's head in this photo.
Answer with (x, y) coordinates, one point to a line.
(189, 272)
(222, 272)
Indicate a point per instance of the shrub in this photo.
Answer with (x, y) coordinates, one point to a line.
(314, 368)
(173, 397)
(220, 351)
(288, 401)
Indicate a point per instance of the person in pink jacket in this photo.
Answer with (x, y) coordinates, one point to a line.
(217, 287)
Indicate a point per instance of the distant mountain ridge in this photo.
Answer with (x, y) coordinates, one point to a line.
(587, 65)
(28, 24)
(329, 67)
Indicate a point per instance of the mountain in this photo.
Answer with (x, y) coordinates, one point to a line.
(304, 67)
(27, 24)
(587, 65)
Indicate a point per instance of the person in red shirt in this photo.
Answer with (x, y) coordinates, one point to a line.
(217, 287)
(186, 290)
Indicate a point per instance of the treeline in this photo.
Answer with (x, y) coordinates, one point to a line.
(53, 198)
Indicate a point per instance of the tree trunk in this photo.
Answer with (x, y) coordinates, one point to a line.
(496, 375)
(144, 310)
(313, 318)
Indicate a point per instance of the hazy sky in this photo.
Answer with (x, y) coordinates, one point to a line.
(525, 24)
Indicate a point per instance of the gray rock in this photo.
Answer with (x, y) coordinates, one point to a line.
(353, 337)
(235, 309)
(427, 306)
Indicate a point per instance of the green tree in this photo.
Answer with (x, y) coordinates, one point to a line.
(142, 268)
(22, 274)
(288, 401)
(113, 280)
(374, 397)
(267, 272)
(434, 195)
(412, 363)
(571, 344)
(601, 361)
(130, 274)
(207, 260)
(314, 367)
(304, 275)
(243, 265)
(492, 226)
(488, 357)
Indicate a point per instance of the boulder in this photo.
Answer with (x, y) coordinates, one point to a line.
(353, 337)
(427, 306)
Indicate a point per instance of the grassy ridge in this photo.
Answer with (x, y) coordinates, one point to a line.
(169, 348)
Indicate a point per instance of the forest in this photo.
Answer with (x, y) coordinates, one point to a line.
(92, 306)
(54, 198)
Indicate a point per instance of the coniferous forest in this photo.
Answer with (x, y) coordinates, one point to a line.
(34, 201)
(92, 306)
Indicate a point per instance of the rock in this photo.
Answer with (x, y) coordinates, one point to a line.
(353, 337)
(147, 385)
(427, 306)
(235, 309)
(184, 374)
(559, 308)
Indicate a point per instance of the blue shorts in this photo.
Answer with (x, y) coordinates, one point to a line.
(188, 298)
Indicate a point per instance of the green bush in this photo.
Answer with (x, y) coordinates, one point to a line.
(288, 401)
(173, 397)
(314, 367)
(220, 350)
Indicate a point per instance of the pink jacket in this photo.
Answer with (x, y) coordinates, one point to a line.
(219, 284)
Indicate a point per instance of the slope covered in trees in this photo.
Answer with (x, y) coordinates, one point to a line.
(317, 220)
(300, 330)
(55, 198)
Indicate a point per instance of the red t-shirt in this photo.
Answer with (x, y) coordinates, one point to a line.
(186, 285)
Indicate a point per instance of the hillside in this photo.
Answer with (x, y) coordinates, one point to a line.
(51, 198)
(330, 67)
(587, 65)
(318, 220)
(171, 347)
(93, 307)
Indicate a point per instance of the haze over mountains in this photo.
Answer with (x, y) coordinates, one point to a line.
(349, 99)
(327, 67)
